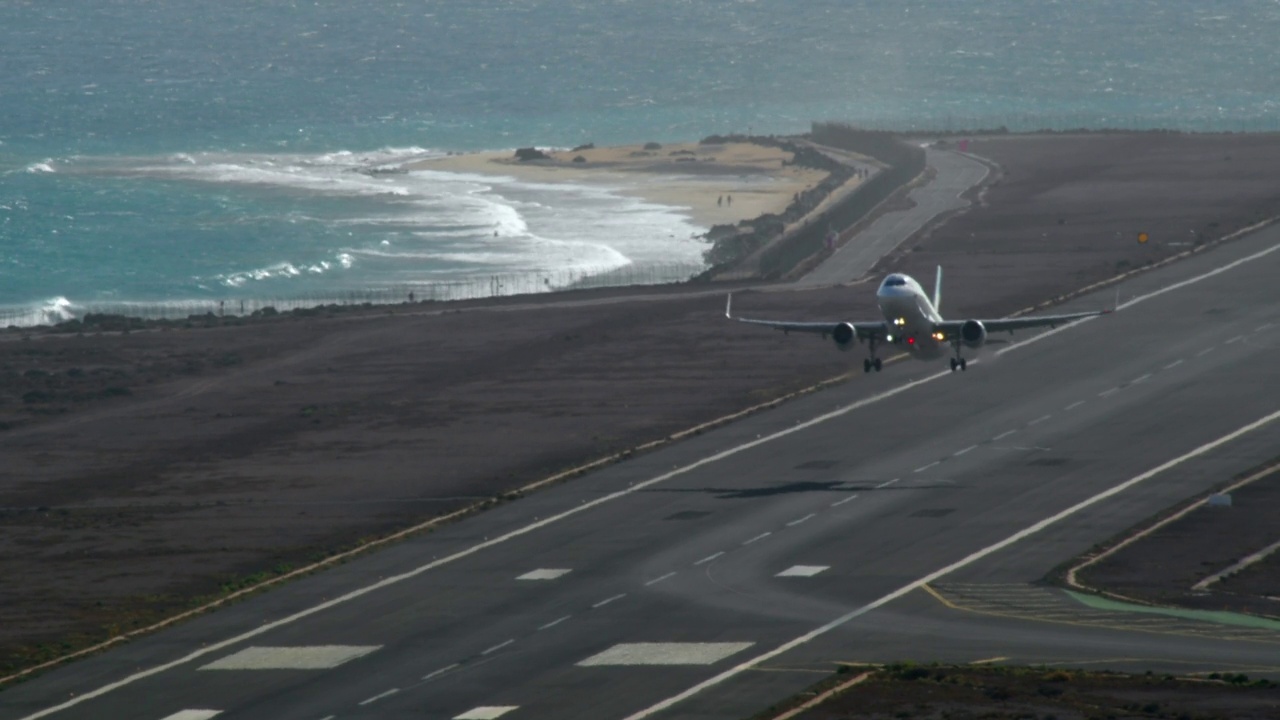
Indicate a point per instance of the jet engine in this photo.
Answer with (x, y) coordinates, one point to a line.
(845, 335)
(973, 334)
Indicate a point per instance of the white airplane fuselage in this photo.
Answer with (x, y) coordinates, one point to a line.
(911, 317)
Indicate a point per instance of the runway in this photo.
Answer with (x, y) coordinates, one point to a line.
(904, 515)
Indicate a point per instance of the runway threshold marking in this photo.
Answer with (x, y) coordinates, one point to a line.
(958, 564)
(536, 525)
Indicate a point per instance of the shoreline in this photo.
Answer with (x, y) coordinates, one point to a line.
(713, 184)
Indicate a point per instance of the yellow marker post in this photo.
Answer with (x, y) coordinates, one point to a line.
(1143, 238)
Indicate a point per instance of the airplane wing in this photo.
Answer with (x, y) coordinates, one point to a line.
(865, 330)
(950, 327)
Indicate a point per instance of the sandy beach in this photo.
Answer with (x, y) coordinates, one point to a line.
(715, 183)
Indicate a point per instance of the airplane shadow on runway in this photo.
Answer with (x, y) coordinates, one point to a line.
(809, 486)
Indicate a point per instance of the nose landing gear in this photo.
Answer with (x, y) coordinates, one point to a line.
(957, 361)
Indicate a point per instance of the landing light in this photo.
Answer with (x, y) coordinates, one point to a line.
(939, 336)
(888, 338)
(900, 322)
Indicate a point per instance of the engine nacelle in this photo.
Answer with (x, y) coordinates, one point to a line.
(973, 334)
(845, 335)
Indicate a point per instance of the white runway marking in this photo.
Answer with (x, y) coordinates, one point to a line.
(958, 453)
(838, 503)
(314, 657)
(797, 521)
(888, 483)
(1235, 339)
(498, 647)
(1142, 379)
(379, 696)
(1003, 435)
(486, 712)
(657, 580)
(544, 574)
(268, 626)
(1262, 327)
(608, 600)
(803, 570)
(1074, 405)
(1039, 420)
(963, 562)
(922, 468)
(709, 558)
(665, 654)
(441, 671)
(1173, 364)
(554, 623)
(193, 715)
(761, 536)
(1204, 352)
(1107, 393)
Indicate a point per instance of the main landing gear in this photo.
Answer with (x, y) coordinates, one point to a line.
(957, 361)
(873, 361)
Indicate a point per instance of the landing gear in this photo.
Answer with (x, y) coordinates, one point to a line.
(873, 361)
(957, 361)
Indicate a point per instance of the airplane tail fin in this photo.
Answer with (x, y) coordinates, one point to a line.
(937, 291)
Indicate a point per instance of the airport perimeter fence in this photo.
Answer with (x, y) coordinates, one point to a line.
(469, 288)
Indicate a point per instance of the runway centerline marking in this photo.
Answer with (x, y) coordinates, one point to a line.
(958, 564)
(608, 600)
(486, 712)
(1141, 379)
(709, 558)
(1108, 393)
(1039, 420)
(1003, 435)
(922, 468)
(443, 670)
(265, 627)
(887, 484)
(379, 696)
(1074, 405)
(1235, 339)
(761, 536)
(551, 624)
(657, 580)
(806, 518)
(958, 453)
(1262, 327)
(498, 647)
(1204, 352)
(838, 503)
(1173, 364)
(193, 715)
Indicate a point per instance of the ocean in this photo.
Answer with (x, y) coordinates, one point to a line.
(176, 154)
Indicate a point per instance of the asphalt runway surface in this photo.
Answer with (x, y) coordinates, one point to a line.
(903, 515)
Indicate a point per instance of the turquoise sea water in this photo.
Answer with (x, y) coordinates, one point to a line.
(178, 151)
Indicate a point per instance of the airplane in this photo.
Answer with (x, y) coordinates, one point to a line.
(912, 321)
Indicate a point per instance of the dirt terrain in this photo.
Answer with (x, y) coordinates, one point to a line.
(998, 693)
(146, 471)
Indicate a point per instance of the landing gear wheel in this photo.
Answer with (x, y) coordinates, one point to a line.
(954, 364)
(866, 366)
(963, 364)
(876, 364)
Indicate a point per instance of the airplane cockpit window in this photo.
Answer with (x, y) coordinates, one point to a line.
(895, 281)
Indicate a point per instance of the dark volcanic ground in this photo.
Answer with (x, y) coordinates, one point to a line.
(144, 471)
